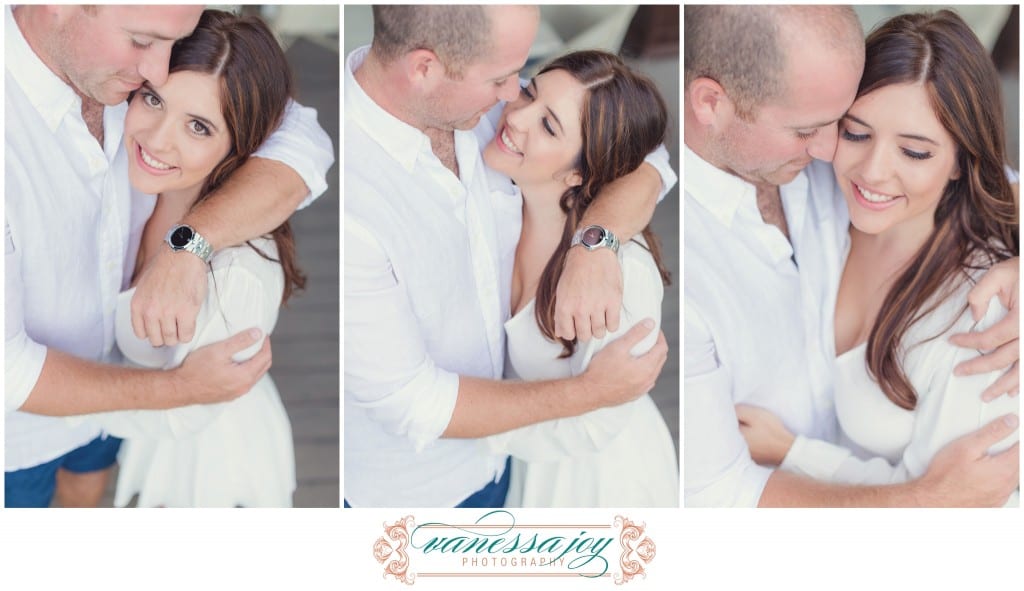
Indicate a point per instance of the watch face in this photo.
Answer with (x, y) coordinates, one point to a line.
(181, 237)
(592, 236)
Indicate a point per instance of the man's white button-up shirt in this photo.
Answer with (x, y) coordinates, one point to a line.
(71, 231)
(757, 321)
(426, 293)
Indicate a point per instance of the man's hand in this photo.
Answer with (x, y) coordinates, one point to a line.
(963, 474)
(1002, 338)
(589, 294)
(167, 298)
(768, 439)
(210, 374)
(615, 376)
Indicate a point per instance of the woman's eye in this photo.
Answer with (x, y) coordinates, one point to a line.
(198, 128)
(527, 93)
(917, 155)
(547, 126)
(854, 137)
(150, 99)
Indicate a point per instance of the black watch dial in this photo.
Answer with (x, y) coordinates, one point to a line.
(592, 236)
(181, 237)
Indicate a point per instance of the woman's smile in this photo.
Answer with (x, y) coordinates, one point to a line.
(150, 163)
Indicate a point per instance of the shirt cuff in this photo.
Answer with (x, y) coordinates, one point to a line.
(24, 364)
(421, 409)
(813, 458)
(659, 160)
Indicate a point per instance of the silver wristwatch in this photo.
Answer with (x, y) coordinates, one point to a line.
(185, 237)
(594, 237)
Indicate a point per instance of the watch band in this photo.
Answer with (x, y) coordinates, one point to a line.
(594, 237)
(184, 237)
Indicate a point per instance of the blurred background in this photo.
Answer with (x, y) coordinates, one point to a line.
(305, 341)
(648, 38)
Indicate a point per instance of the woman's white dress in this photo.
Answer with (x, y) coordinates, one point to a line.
(881, 443)
(612, 457)
(237, 453)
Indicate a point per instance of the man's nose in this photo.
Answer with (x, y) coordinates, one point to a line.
(153, 66)
(823, 145)
(509, 89)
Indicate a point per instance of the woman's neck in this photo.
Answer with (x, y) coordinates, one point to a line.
(543, 224)
(872, 267)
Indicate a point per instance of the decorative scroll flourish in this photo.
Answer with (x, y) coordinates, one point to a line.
(637, 550)
(390, 550)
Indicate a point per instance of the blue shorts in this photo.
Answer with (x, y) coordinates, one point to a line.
(491, 495)
(34, 487)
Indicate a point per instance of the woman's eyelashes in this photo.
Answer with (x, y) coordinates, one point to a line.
(530, 96)
(151, 99)
(863, 137)
(198, 127)
(195, 126)
(854, 137)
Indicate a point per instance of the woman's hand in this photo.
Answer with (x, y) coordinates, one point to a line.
(768, 439)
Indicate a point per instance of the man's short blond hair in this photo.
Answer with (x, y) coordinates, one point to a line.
(743, 49)
(458, 35)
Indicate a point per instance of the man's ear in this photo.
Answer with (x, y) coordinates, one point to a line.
(710, 103)
(423, 68)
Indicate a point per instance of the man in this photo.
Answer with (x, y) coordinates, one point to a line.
(71, 236)
(428, 264)
(759, 108)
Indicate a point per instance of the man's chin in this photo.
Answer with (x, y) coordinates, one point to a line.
(468, 124)
(787, 173)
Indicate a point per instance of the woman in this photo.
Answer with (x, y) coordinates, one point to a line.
(227, 90)
(920, 163)
(582, 122)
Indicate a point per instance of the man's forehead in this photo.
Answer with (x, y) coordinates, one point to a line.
(165, 22)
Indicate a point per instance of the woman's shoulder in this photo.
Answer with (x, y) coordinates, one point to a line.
(948, 312)
(638, 262)
(257, 256)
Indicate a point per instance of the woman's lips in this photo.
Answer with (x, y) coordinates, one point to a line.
(871, 199)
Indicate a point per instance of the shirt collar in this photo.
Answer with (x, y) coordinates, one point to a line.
(52, 97)
(399, 139)
(715, 190)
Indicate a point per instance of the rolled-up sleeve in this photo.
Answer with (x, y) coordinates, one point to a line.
(387, 370)
(23, 357)
(302, 145)
(659, 160)
(718, 470)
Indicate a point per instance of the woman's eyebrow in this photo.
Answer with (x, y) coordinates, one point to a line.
(553, 116)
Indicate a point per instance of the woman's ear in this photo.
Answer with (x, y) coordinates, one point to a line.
(956, 171)
(710, 103)
(573, 178)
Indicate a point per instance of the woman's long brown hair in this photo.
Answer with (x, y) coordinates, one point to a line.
(623, 119)
(255, 85)
(976, 221)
